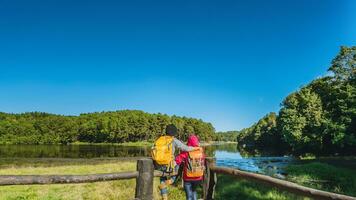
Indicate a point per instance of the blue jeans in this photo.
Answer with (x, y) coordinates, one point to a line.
(163, 180)
(190, 188)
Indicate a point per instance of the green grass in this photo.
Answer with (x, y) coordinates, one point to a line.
(103, 190)
(316, 175)
(236, 189)
(323, 176)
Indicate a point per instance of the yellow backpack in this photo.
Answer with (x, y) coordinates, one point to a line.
(195, 164)
(162, 151)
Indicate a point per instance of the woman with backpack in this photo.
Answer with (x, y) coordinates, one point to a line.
(193, 167)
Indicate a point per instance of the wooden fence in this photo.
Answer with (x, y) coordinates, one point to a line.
(211, 180)
(144, 179)
(145, 174)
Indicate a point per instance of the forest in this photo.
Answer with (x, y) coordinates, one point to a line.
(100, 127)
(318, 119)
(228, 136)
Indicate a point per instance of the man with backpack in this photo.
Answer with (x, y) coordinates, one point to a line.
(163, 154)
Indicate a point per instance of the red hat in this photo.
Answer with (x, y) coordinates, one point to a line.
(193, 141)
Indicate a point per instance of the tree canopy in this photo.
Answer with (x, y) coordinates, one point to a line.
(99, 127)
(228, 136)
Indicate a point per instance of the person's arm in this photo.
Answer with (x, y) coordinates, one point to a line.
(181, 157)
(180, 145)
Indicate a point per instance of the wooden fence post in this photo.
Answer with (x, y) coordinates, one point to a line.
(144, 181)
(210, 180)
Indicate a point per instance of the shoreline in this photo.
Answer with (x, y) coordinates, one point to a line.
(133, 144)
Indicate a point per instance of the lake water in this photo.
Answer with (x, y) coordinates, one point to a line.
(226, 155)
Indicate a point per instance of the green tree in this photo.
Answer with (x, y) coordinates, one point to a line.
(300, 121)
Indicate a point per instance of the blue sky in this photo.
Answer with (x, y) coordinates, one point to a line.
(226, 62)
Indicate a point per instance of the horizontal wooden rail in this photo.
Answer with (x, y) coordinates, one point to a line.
(63, 179)
(60, 179)
(281, 184)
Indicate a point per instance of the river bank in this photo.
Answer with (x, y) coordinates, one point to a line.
(150, 143)
(127, 144)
